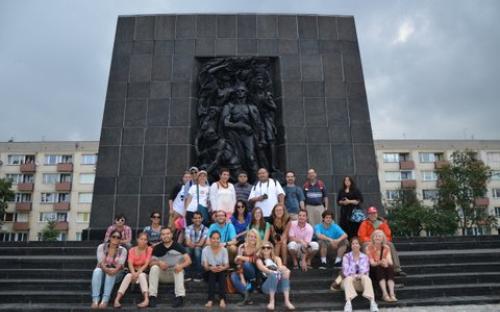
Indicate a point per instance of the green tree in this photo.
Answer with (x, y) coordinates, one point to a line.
(6, 195)
(50, 233)
(460, 184)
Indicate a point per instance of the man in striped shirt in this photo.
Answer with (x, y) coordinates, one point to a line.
(316, 197)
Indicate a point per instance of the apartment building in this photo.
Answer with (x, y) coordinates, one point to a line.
(413, 164)
(51, 181)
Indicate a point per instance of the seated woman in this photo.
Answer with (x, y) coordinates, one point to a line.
(276, 274)
(110, 259)
(356, 269)
(214, 258)
(382, 268)
(138, 261)
(120, 226)
(244, 277)
(258, 223)
(241, 219)
(279, 231)
(153, 230)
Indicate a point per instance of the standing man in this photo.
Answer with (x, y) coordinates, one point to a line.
(300, 243)
(167, 264)
(330, 236)
(243, 188)
(316, 197)
(294, 196)
(266, 193)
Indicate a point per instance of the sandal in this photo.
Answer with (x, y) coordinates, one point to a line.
(393, 298)
(387, 298)
(208, 305)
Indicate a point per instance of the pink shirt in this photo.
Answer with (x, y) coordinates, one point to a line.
(304, 233)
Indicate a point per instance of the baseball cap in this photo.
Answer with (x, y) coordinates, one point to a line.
(193, 169)
(372, 210)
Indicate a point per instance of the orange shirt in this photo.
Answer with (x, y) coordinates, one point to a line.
(139, 260)
(366, 229)
(374, 252)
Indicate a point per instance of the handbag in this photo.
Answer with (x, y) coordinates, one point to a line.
(230, 289)
(357, 215)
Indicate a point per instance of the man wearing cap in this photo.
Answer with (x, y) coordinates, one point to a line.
(372, 223)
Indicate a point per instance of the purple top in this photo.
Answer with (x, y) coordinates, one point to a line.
(352, 267)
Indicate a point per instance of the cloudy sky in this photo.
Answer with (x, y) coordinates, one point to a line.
(431, 67)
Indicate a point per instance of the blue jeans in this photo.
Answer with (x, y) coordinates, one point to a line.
(249, 274)
(272, 284)
(195, 270)
(98, 277)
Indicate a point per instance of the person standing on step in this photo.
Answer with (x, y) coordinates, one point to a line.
(356, 272)
(330, 236)
(266, 193)
(316, 197)
(198, 199)
(153, 230)
(349, 198)
(294, 196)
(177, 197)
(138, 262)
(382, 268)
(279, 232)
(242, 187)
(110, 260)
(195, 239)
(120, 226)
(215, 261)
(222, 194)
(167, 264)
(300, 244)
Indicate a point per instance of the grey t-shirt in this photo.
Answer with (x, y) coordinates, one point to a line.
(220, 258)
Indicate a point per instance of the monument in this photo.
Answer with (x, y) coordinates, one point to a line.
(285, 92)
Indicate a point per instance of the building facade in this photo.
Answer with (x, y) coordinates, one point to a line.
(413, 164)
(51, 181)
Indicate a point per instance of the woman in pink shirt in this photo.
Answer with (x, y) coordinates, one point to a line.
(138, 261)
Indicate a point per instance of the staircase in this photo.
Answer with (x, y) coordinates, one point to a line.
(55, 276)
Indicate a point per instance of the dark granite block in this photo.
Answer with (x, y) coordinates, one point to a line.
(164, 27)
(107, 161)
(295, 135)
(153, 184)
(364, 158)
(373, 199)
(160, 90)
(135, 113)
(111, 136)
(128, 185)
(113, 113)
(128, 206)
(346, 28)
(104, 185)
(144, 28)
(125, 29)
(247, 27)
(339, 133)
(226, 26)
(319, 156)
(181, 89)
(337, 111)
(158, 112)
(287, 27)
(156, 135)
(332, 66)
(225, 47)
(288, 47)
(123, 48)
(143, 47)
(268, 47)
(116, 90)
(185, 26)
(267, 26)
(327, 27)
(102, 211)
(247, 46)
(184, 46)
(296, 155)
(330, 46)
(335, 89)
(291, 89)
(317, 135)
(148, 205)
(177, 159)
(171, 181)
(368, 183)
(290, 67)
(358, 109)
(154, 160)
(205, 26)
(178, 135)
(343, 159)
(179, 112)
(352, 68)
(164, 47)
(133, 136)
(138, 90)
(313, 89)
(361, 132)
(308, 27)
(183, 67)
(205, 47)
(162, 67)
(356, 89)
(309, 46)
(311, 67)
(293, 112)
(130, 160)
(140, 68)
(119, 68)
(315, 111)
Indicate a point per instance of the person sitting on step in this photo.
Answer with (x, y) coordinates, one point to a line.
(195, 239)
(330, 236)
(153, 230)
(120, 226)
(300, 243)
(215, 260)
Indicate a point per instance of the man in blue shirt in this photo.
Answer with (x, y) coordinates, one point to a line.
(294, 196)
(316, 197)
(227, 233)
(330, 235)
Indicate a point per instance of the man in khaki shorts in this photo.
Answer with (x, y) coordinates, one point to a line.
(316, 198)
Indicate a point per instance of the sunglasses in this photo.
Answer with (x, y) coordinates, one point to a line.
(120, 220)
(267, 247)
(240, 206)
(116, 236)
(156, 217)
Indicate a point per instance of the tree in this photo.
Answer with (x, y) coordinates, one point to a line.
(460, 184)
(6, 195)
(50, 233)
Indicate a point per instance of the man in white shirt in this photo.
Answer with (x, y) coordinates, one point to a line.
(266, 193)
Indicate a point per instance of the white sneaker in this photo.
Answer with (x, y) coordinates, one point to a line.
(373, 307)
(348, 307)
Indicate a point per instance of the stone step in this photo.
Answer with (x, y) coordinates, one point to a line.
(426, 246)
(455, 268)
(438, 239)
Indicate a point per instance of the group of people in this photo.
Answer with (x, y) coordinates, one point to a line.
(249, 238)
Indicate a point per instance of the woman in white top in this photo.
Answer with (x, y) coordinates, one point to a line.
(222, 194)
(197, 199)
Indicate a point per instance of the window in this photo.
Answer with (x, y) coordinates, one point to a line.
(14, 178)
(82, 217)
(15, 159)
(407, 175)
(22, 197)
(89, 159)
(392, 194)
(7, 217)
(53, 216)
(85, 198)
(13, 237)
(427, 157)
(392, 176)
(58, 159)
(50, 178)
(495, 175)
(474, 231)
(493, 157)
(61, 237)
(49, 198)
(430, 194)
(87, 178)
(391, 157)
(497, 212)
(63, 197)
(429, 176)
(22, 217)
(65, 177)
(78, 236)
(495, 193)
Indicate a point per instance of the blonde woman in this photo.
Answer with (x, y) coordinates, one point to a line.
(277, 276)
(381, 264)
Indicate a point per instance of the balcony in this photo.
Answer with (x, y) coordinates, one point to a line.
(63, 186)
(21, 226)
(408, 184)
(65, 167)
(23, 207)
(64, 206)
(62, 226)
(407, 165)
(27, 168)
(482, 202)
(25, 187)
(440, 164)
